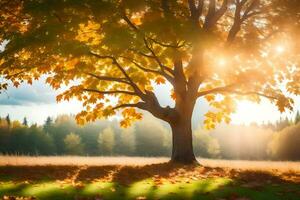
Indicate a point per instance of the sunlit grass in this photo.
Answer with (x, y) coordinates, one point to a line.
(189, 189)
(48, 190)
(244, 179)
(110, 190)
(95, 188)
(10, 187)
(205, 189)
(140, 188)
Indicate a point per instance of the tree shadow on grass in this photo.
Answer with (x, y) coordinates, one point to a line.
(34, 173)
(130, 174)
(163, 181)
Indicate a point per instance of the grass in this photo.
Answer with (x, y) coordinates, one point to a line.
(148, 181)
(216, 188)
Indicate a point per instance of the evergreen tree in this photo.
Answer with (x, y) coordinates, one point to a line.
(269, 125)
(48, 124)
(283, 123)
(8, 120)
(25, 122)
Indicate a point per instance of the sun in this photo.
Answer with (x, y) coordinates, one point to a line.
(280, 49)
(222, 62)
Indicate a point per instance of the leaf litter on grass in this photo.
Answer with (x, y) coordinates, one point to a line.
(158, 175)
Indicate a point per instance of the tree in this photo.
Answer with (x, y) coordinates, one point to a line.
(285, 144)
(151, 138)
(282, 123)
(242, 141)
(204, 49)
(48, 124)
(127, 141)
(106, 141)
(297, 117)
(25, 123)
(73, 144)
(205, 145)
(12, 20)
(8, 122)
(3, 123)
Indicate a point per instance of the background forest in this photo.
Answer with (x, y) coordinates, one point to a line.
(149, 137)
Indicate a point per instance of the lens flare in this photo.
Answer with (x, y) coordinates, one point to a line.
(280, 49)
(222, 62)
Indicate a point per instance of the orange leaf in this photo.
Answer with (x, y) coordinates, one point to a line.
(160, 80)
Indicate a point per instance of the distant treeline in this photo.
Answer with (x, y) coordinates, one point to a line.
(149, 137)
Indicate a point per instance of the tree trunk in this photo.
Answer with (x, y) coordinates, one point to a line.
(182, 150)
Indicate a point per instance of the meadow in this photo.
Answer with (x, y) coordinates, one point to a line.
(74, 177)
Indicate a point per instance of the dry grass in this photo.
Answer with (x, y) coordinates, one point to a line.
(141, 161)
(78, 160)
(281, 166)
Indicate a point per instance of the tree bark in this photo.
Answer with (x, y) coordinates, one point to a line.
(182, 150)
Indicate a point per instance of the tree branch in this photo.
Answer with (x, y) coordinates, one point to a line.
(239, 19)
(110, 92)
(107, 78)
(254, 93)
(216, 90)
(15, 74)
(211, 9)
(141, 53)
(175, 46)
(147, 69)
(153, 55)
(138, 31)
(196, 10)
(115, 62)
(151, 103)
(251, 7)
(163, 67)
(213, 16)
(165, 7)
(127, 20)
(100, 56)
(139, 105)
(228, 89)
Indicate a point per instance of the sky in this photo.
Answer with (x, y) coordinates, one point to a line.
(36, 102)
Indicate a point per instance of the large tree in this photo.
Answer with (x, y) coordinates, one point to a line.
(114, 52)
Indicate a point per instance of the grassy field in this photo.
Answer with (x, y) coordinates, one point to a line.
(146, 178)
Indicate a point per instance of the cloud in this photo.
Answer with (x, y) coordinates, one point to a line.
(38, 93)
